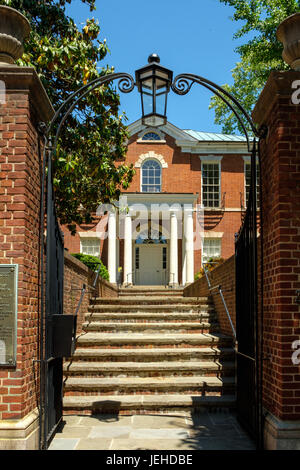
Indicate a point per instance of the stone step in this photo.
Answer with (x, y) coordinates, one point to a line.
(149, 327)
(194, 384)
(93, 404)
(151, 292)
(148, 340)
(146, 300)
(154, 354)
(148, 369)
(165, 308)
(152, 317)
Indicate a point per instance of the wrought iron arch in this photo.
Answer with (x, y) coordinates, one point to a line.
(181, 85)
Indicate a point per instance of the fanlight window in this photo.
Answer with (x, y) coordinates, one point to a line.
(153, 237)
(151, 177)
(151, 136)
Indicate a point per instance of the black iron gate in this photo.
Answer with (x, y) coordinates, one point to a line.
(52, 306)
(247, 318)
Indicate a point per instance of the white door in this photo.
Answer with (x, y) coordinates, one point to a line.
(150, 265)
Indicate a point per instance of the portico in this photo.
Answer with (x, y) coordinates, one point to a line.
(151, 236)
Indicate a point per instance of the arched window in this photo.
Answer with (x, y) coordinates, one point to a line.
(151, 177)
(151, 136)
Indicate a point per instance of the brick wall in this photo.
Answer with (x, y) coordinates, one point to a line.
(280, 171)
(223, 275)
(20, 178)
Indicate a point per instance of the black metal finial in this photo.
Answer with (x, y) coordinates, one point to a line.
(153, 58)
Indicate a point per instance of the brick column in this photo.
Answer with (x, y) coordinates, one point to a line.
(20, 184)
(280, 173)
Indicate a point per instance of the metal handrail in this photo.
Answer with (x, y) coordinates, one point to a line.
(222, 297)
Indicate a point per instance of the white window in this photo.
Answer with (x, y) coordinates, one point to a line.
(90, 246)
(211, 249)
(211, 184)
(151, 177)
(248, 182)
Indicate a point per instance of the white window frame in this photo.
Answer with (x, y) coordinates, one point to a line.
(215, 160)
(95, 240)
(207, 240)
(141, 175)
(247, 162)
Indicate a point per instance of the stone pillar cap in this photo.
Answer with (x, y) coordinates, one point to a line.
(14, 28)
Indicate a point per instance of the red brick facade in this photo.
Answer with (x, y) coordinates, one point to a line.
(280, 160)
(182, 174)
(26, 105)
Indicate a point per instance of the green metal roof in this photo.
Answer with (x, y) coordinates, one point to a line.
(213, 137)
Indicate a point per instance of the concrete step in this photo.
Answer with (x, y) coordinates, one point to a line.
(149, 340)
(142, 403)
(164, 308)
(150, 327)
(148, 369)
(151, 300)
(140, 355)
(153, 317)
(195, 384)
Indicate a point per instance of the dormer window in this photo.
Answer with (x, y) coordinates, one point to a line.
(151, 136)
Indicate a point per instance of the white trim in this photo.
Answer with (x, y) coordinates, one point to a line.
(189, 144)
(155, 131)
(210, 158)
(151, 156)
(90, 234)
(213, 234)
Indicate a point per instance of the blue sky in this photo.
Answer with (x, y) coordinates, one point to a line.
(195, 36)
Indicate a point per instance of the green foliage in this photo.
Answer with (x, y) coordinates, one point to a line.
(93, 263)
(211, 264)
(260, 53)
(94, 136)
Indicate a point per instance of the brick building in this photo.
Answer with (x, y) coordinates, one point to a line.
(193, 187)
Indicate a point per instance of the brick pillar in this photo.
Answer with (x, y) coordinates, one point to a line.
(280, 172)
(20, 185)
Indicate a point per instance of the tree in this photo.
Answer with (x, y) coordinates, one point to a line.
(260, 54)
(89, 167)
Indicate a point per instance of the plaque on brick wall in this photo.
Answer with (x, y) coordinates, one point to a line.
(8, 313)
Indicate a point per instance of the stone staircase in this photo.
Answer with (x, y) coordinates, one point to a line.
(150, 350)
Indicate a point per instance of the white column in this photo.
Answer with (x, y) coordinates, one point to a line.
(128, 250)
(112, 246)
(174, 250)
(189, 245)
(183, 281)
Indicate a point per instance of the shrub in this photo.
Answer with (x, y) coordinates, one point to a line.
(93, 263)
(211, 264)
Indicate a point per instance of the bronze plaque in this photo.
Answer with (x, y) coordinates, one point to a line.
(8, 314)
